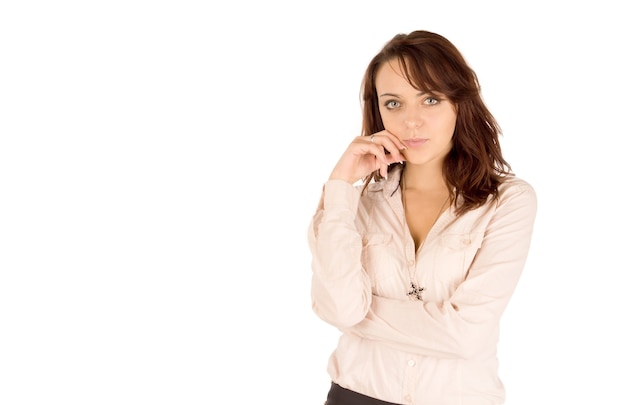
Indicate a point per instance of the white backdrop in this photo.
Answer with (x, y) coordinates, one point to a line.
(160, 161)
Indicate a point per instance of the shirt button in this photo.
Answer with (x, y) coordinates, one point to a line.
(411, 363)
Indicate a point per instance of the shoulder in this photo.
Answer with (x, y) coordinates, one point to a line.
(514, 189)
(513, 184)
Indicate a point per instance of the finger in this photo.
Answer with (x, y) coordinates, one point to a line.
(390, 143)
(383, 163)
(398, 142)
(380, 167)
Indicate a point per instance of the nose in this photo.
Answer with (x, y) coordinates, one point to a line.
(413, 118)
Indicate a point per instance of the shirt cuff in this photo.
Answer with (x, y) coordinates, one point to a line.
(339, 195)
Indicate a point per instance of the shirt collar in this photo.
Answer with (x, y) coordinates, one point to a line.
(390, 186)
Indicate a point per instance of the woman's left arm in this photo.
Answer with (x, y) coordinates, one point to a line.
(467, 323)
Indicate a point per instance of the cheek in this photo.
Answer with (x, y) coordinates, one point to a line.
(448, 124)
(388, 121)
(383, 118)
(451, 128)
(452, 120)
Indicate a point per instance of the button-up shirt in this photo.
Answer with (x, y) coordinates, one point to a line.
(437, 350)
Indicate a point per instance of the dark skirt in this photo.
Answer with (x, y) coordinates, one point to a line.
(337, 395)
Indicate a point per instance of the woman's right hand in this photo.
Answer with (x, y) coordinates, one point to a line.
(367, 154)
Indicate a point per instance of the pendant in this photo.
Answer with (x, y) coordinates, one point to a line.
(415, 293)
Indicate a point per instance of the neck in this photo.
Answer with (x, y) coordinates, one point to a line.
(424, 178)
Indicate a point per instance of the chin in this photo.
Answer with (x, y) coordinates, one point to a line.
(416, 158)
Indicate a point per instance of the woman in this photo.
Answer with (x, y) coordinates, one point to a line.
(415, 264)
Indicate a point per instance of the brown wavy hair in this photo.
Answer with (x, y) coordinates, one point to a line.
(475, 166)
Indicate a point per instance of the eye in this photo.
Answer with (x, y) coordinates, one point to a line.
(431, 100)
(392, 104)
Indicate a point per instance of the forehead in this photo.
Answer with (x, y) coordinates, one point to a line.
(390, 75)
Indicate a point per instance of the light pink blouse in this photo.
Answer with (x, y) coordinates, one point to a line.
(441, 350)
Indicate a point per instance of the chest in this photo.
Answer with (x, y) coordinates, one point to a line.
(421, 214)
(439, 265)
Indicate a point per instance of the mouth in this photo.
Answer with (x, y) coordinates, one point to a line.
(415, 142)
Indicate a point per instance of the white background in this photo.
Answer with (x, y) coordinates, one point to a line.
(160, 161)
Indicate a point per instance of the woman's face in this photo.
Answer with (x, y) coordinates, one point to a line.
(425, 122)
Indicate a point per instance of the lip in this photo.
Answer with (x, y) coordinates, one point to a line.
(415, 142)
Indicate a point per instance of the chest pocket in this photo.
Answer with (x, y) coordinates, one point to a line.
(455, 254)
(382, 261)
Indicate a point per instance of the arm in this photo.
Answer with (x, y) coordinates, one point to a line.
(340, 289)
(468, 322)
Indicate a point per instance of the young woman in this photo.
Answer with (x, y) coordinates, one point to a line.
(416, 263)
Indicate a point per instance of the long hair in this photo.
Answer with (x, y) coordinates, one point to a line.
(474, 167)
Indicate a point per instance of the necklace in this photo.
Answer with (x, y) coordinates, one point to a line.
(415, 290)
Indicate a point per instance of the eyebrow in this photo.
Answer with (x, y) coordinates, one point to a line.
(421, 93)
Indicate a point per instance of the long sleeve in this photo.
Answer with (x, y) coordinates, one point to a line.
(340, 288)
(466, 324)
